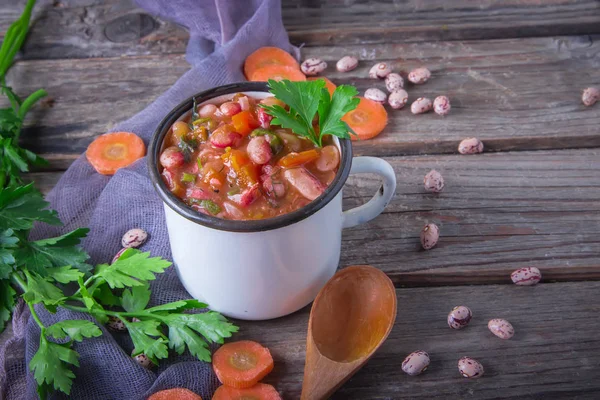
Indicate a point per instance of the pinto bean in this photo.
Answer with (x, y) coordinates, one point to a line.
(419, 75)
(527, 276)
(397, 99)
(501, 328)
(171, 157)
(393, 82)
(433, 182)
(379, 71)
(590, 96)
(421, 105)
(230, 108)
(304, 182)
(259, 150)
(459, 317)
(134, 238)
(346, 63)
(416, 362)
(470, 368)
(376, 95)
(329, 159)
(207, 110)
(223, 137)
(264, 119)
(470, 146)
(313, 66)
(441, 105)
(430, 234)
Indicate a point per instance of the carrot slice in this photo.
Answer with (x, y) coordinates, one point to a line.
(266, 56)
(111, 151)
(295, 159)
(367, 120)
(277, 72)
(175, 394)
(260, 391)
(242, 364)
(328, 84)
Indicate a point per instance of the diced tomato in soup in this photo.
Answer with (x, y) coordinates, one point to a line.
(229, 161)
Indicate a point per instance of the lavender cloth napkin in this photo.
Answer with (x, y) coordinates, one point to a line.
(222, 34)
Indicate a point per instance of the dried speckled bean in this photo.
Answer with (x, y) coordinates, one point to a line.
(313, 66)
(346, 63)
(116, 257)
(376, 95)
(430, 235)
(433, 181)
(441, 105)
(590, 96)
(419, 75)
(470, 368)
(394, 82)
(143, 360)
(416, 362)
(501, 328)
(459, 317)
(397, 99)
(421, 105)
(134, 238)
(526, 276)
(115, 324)
(470, 146)
(379, 71)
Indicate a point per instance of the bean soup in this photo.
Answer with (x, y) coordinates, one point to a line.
(227, 160)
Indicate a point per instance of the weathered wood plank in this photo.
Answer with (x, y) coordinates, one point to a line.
(521, 94)
(341, 22)
(93, 28)
(498, 212)
(553, 355)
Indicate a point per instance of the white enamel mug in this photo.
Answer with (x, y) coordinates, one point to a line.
(263, 269)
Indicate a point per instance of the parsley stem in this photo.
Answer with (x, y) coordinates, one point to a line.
(37, 319)
(111, 313)
(18, 280)
(31, 100)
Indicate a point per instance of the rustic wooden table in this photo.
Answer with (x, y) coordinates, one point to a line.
(514, 70)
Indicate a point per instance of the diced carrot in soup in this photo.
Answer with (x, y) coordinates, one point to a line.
(232, 163)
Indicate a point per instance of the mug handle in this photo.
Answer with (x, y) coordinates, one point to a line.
(375, 206)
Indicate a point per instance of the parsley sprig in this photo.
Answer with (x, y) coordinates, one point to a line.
(307, 99)
(13, 158)
(38, 270)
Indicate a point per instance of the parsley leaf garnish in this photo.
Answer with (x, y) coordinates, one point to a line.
(307, 99)
(76, 329)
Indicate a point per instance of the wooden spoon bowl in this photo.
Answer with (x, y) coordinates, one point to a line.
(350, 318)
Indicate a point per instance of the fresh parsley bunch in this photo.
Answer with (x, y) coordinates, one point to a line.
(15, 159)
(305, 101)
(40, 269)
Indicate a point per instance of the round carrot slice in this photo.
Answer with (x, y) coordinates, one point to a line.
(242, 364)
(328, 84)
(277, 72)
(266, 56)
(260, 391)
(367, 120)
(111, 151)
(175, 394)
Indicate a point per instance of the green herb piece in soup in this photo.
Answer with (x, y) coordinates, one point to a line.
(210, 206)
(187, 147)
(274, 139)
(187, 177)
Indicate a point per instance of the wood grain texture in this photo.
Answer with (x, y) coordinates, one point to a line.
(498, 212)
(94, 28)
(521, 94)
(341, 22)
(111, 28)
(554, 354)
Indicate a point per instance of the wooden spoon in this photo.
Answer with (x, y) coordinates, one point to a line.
(350, 318)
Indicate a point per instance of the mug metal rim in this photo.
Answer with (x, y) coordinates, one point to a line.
(209, 221)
